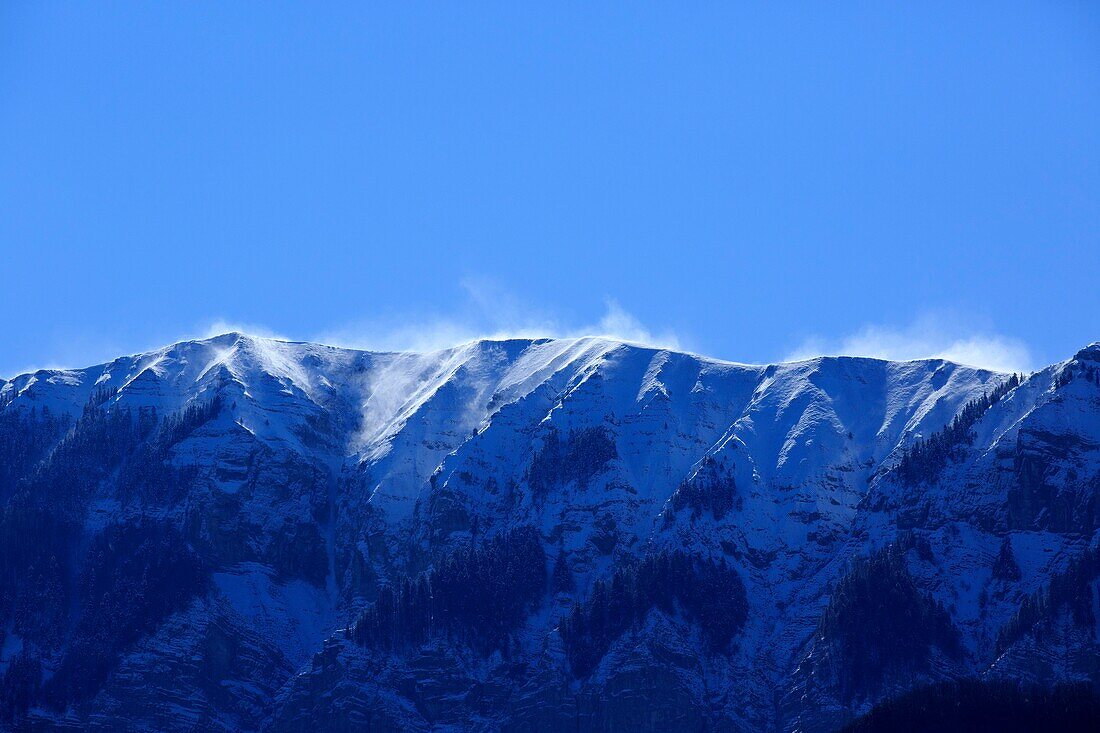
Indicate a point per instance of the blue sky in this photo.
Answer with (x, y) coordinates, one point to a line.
(752, 181)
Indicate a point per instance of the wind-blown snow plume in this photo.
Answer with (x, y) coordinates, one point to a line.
(489, 311)
(927, 338)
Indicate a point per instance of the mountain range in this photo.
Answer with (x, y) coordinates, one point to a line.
(249, 534)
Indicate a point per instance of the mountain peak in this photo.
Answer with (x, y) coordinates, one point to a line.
(1089, 353)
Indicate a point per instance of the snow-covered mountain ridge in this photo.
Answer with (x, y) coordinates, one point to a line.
(296, 484)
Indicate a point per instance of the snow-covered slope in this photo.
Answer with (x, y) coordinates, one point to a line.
(295, 481)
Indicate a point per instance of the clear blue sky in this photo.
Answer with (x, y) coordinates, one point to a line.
(756, 181)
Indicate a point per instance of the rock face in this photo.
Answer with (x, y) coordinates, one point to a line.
(249, 534)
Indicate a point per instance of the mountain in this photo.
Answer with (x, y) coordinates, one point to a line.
(250, 534)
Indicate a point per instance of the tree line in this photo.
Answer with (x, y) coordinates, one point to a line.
(924, 459)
